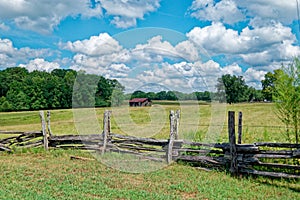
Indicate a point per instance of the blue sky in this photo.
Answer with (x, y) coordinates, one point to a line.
(175, 44)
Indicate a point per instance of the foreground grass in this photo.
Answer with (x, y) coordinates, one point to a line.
(53, 175)
(259, 121)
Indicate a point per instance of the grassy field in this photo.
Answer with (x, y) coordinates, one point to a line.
(53, 175)
(35, 174)
(198, 122)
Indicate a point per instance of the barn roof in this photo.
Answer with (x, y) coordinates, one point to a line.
(137, 100)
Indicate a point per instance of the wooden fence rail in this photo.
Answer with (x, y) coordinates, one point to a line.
(20, 139)
(266, 159)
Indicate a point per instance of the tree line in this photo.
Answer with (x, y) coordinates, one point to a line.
(24, 90)
(170, 95)
(229, 89)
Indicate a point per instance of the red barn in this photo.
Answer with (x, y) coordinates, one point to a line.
(140, 102)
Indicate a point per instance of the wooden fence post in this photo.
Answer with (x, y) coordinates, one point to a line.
(108, 123)
(177, 118)
(106, 129)
(232, 142)
(48, 122)
(240, 128)
(45, 136)
(172, 137)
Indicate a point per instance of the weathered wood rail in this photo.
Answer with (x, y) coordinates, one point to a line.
(20, 139)
(266, 159)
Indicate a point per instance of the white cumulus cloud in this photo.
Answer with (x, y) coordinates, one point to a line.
(126, 12)
(209, 10)
(232, 11)
(282, 11)
(94, 46)
(178, 65)
(257, 46)
(40, 65)
(44, 16)
(253, 77)
(217, 39)
(156, 49)
(10, 56)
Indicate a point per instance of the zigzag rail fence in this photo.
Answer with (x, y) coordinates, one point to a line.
(279, 160)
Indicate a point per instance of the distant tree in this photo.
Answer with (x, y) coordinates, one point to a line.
(117, 98)
(255, 95)
(206, 96)
(67, 89)
(138, 94)
(162, 95)
(117, 93)
(171, 95)
(203, 96)
(18, 100)
(103, 91)
(151, 95)
(61, 73)
(9, 75)
(234, 87)
(5, 105)
(287, 97)
(181, 96)
(268, 84)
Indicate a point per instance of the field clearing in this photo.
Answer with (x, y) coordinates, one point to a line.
(198, 122)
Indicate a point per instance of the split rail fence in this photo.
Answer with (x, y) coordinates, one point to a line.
(266, 159)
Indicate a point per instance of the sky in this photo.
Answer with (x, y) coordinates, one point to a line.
(148, 45)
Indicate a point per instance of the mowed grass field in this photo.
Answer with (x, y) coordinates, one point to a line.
(35, 174)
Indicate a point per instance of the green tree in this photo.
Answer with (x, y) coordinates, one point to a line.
(61, 73)
(171, 95)
(138, 94)
(151, 95)
(162, 95)
(19, 100)
(85, 92)
(234, 87)
(268, 84)
(203, 96)
(117, 93)
(67, 90)
(117, 97)
(22, 90)
(255, 95)
(11, 76)
(287, 98)
(5, 105)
